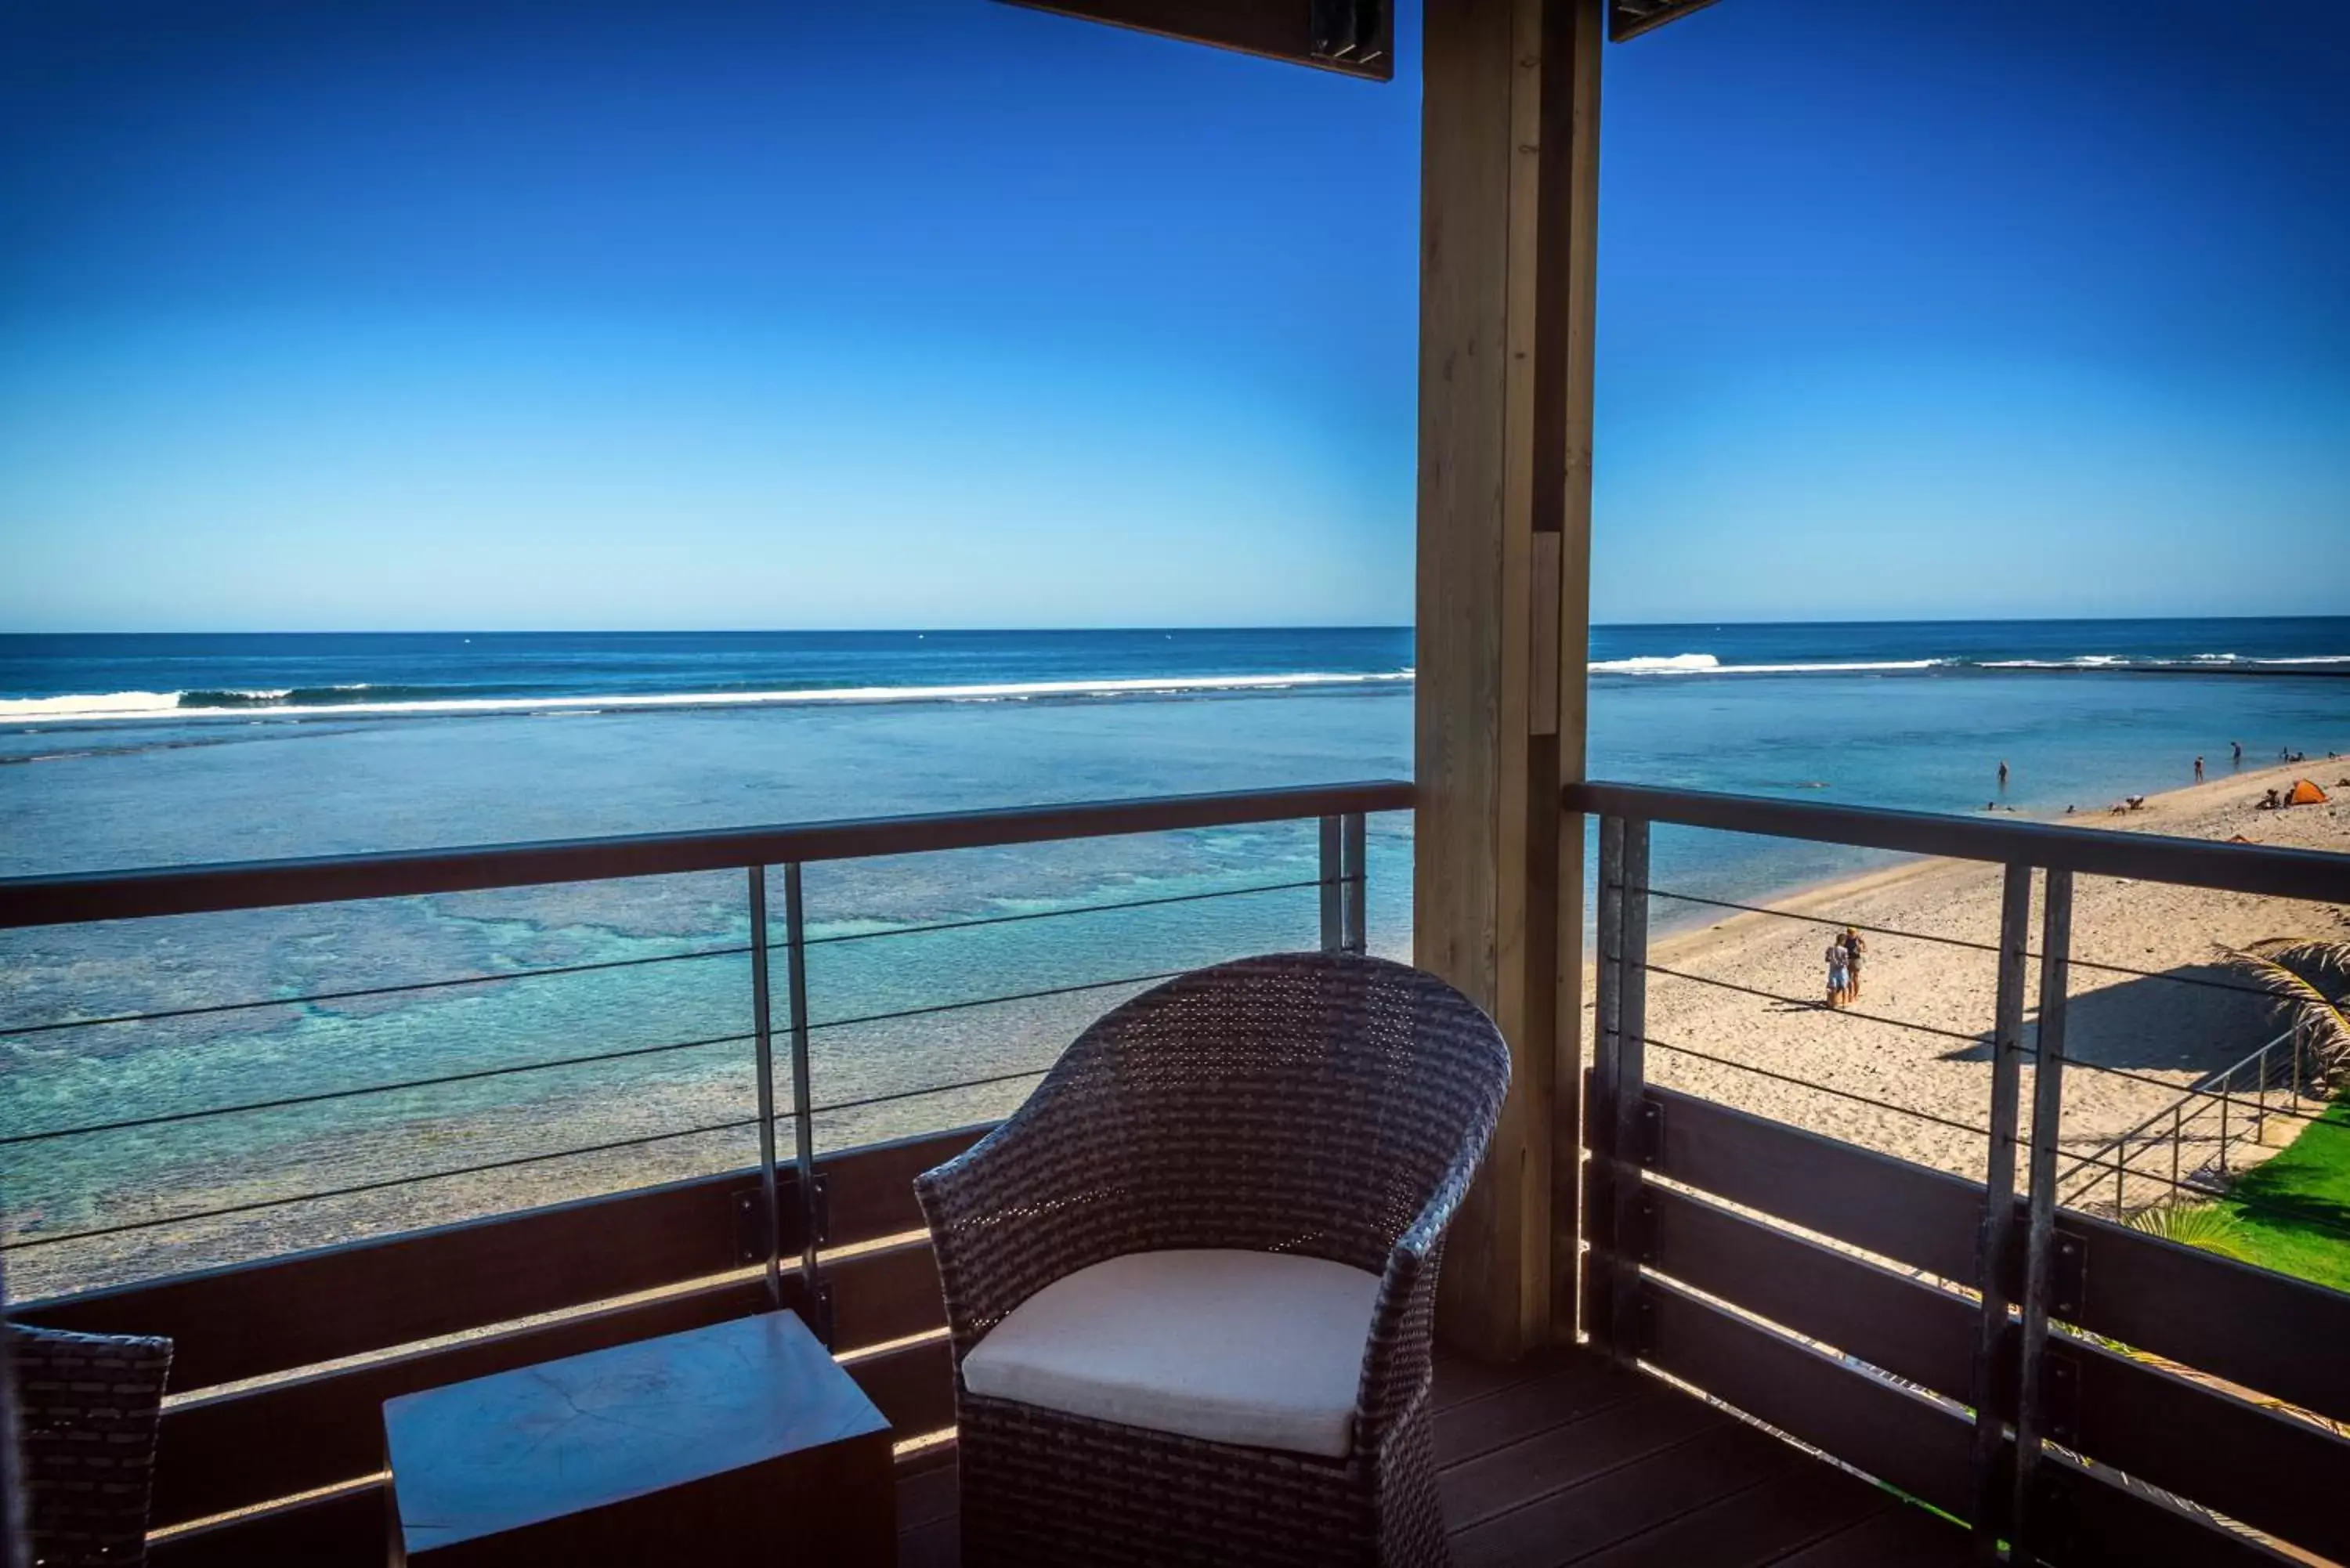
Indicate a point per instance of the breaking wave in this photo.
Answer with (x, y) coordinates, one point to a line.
(363, 700)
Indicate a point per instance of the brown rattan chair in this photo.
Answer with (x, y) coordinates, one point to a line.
(1324, 1106)
(88, 1404)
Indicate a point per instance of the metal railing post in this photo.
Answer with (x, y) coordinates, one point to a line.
(771, 1215)
(1333, 874)
(802, 1103)
(2177, 1136)
(2040, 1234)
(1354, 862)
(1631, 1081)
(2261, 1115)
(1995, 1245)
(1599, 1114)
(2223, 1123)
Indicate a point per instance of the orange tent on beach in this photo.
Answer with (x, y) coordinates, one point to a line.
(2305, 793)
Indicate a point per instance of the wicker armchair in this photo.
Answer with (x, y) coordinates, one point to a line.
(88, 1404)
(1320, 1105)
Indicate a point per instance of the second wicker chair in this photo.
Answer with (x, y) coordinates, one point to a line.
(1296, 1128)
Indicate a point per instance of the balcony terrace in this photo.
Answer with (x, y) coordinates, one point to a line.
(1677, 1332)
(1908, 1327)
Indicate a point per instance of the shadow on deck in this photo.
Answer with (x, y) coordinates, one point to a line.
(1565, 1458)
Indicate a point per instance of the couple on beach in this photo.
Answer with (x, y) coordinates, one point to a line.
(1844, 957)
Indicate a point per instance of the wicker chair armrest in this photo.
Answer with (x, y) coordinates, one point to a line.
(993, 1212)
(1398, 1361)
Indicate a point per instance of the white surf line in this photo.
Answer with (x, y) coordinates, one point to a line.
(165, 705)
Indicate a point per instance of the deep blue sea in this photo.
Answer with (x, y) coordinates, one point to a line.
(118, 752)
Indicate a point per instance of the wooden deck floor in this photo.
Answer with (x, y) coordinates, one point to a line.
(1568, 1459)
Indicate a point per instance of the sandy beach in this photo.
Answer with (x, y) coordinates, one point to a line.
(1917, 1036)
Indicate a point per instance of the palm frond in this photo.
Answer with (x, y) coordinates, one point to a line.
(2202, 1225)
(2311, 982)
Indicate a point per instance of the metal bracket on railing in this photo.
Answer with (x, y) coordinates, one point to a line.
(750, 1227)
(819, 1210)
(1649, 1147)
(2061, 1399)
(1643, 1245)
(2069, 1285)
(820, 1310)
(1643, 1334)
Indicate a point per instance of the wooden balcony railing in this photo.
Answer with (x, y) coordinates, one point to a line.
(1972, 1344)
(2082, 1390)
(287, 1361)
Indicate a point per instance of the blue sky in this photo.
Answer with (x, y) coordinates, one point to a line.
(470, 313)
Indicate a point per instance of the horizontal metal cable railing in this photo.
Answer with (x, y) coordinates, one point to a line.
(782, 1026)
(2021, 1282)
(2203, 1128)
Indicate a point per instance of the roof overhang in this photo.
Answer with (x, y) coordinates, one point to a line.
(1630, 18)
(1353, 36)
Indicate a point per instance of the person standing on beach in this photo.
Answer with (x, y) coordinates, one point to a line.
(2238, 758)
(2002, 772)
(1839, 972)
(2198, 770)
(1853, 949)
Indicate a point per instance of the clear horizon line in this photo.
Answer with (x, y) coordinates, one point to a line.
(1008, 630)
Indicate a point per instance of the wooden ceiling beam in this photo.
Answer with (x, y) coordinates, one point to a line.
(1355, 38)
(1630, 18)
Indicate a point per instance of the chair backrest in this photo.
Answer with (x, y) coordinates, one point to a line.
(88, 1404)
(1307, 1103)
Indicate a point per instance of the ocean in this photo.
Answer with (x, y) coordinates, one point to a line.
(126, 750)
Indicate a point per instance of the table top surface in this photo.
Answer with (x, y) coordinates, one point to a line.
(541, 1442)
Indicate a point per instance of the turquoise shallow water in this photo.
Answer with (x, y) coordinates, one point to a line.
(724, 735)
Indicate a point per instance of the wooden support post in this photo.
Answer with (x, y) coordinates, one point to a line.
(1508, 198)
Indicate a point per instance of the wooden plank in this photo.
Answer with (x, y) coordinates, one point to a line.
(935, 1545)
(1586, 1383)
(1563, 403)
(346, 1531)
(914, 1386)
(869, 1190)
(2193, 1307)
(1891, 1207)
(234, 1451)
(1275, 31)
(1584, 1445)
(927, 1496)
(77, 897)
(1460, 1379)
(1914, 1330)
(238, 1449)
(2318, 875)
(1501, 253)
(1898, 1437)
(890, 1293)
(1614, 1505)
(1752, 1527)
(1904, 1533)
(2089, 1519)
(1464, 749)
(249, 1320)
(2281, 1475)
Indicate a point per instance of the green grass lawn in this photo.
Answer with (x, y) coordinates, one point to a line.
(2310, 1178)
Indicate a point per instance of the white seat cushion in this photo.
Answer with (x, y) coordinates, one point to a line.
(1258, 1348)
